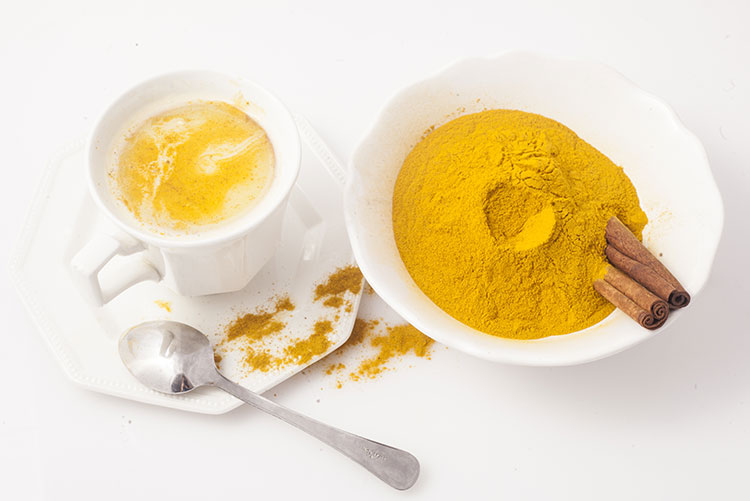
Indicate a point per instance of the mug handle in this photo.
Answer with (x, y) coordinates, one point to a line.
(92, 258)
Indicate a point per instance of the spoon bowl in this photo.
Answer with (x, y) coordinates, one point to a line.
(170, 357)
(174, 358)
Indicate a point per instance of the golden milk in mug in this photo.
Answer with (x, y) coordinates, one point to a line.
(191, 167)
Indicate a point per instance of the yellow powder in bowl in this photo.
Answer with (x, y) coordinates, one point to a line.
(499, 217)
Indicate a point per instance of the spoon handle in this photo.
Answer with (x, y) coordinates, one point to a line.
(397, 468)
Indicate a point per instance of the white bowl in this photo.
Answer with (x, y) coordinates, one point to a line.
(666, 163)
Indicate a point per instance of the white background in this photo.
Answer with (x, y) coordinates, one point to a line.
(669, 419)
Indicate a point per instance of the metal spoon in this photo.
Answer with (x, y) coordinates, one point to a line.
(172, 357)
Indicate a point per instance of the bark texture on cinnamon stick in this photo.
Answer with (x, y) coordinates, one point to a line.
(637, 293)
(617, 298)
(629, 250)
(641, 273)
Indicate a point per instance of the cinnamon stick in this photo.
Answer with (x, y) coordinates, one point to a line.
(641, 296)
(626, 244)
(641, 273)
(614, 296)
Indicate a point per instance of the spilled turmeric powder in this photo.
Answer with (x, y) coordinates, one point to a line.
(334, 367)
(164, 305)
(252, 331)
(347, 279)
(256, 326)
(249, 333)
(334, 302)
(499, 217)
(260, 360)
(389, 342)
(360, 331)
(399, 340)
(304, 350)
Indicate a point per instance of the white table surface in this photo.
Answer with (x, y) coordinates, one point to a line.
(669, 419)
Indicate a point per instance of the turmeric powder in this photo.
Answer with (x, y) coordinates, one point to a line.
(499, 218)
(165, 305)
(256, 326)
(346, 279)
(318, 343)
(249, 332)
(390, 342)
(399, 340)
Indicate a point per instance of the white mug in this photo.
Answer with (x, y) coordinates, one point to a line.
(221, 259)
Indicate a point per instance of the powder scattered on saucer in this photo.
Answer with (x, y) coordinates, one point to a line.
(164, 305)
(304, 350)
(248, 332)
(256, 333)
(343, 280)
(256, 326)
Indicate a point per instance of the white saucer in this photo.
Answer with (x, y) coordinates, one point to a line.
(84, 338)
